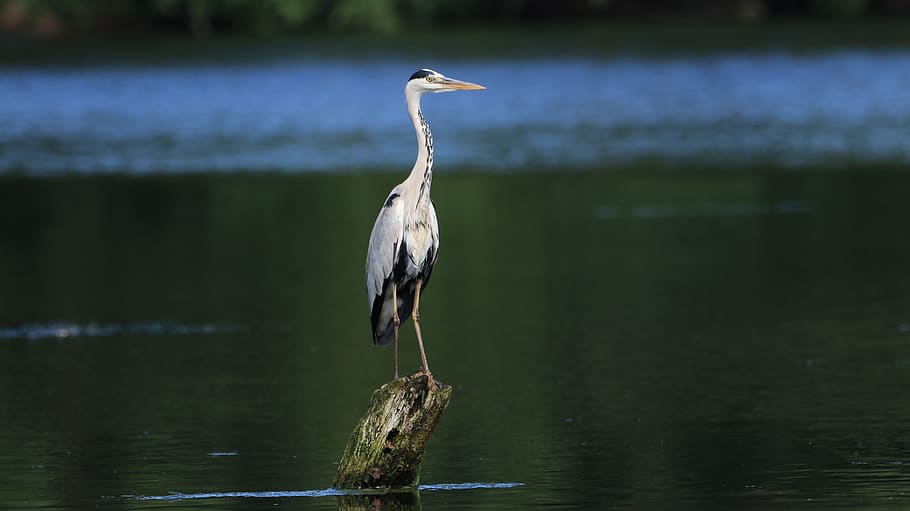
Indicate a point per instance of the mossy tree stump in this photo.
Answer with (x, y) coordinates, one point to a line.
(387, 445)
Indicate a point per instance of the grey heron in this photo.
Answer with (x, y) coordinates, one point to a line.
(404, 243)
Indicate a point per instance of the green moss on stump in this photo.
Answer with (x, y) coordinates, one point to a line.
(387, 445)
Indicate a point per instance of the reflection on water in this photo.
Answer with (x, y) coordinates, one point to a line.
(689, 360)
(392, 501)
(834, 108)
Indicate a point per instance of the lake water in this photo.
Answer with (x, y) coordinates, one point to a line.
(621, 340)
(673, 324)
(307, 111)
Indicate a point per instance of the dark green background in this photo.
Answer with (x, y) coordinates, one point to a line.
(626, 339)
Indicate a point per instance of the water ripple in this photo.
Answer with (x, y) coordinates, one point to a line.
(328, 492)
(56, 330)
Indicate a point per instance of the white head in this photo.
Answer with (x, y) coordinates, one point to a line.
(427, 80)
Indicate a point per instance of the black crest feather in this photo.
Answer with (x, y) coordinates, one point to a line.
(423, 73)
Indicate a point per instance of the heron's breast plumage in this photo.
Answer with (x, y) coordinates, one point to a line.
(421, 241)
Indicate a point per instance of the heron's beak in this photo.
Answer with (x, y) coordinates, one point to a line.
(453, 84)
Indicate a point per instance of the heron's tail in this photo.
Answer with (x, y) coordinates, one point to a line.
(384, 327)
(385, 337)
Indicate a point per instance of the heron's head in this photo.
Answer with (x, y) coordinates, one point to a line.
(427, 80)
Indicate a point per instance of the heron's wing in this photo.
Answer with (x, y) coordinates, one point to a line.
(385, 241)
(434, 232)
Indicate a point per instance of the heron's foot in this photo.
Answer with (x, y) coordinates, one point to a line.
(432, 384)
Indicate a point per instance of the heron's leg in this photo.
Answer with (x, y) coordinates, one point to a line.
(395, 322)
(415, 315)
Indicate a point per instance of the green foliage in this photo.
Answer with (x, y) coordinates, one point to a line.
(375, 15)
(840, 8)
(390, 16)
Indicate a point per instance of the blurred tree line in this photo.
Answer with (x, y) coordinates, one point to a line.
(205, 17)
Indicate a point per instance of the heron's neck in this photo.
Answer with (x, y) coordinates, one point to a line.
(422, 172)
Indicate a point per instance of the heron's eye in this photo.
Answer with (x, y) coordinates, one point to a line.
(430, 78)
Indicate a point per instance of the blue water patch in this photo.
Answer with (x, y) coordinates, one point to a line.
(310, 115)
(328, 492)
(466, 486)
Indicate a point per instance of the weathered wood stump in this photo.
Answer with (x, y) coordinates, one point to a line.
(387, 445)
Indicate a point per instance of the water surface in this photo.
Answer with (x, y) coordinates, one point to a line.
(325, 113)
(669, 277)
(750, 360)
